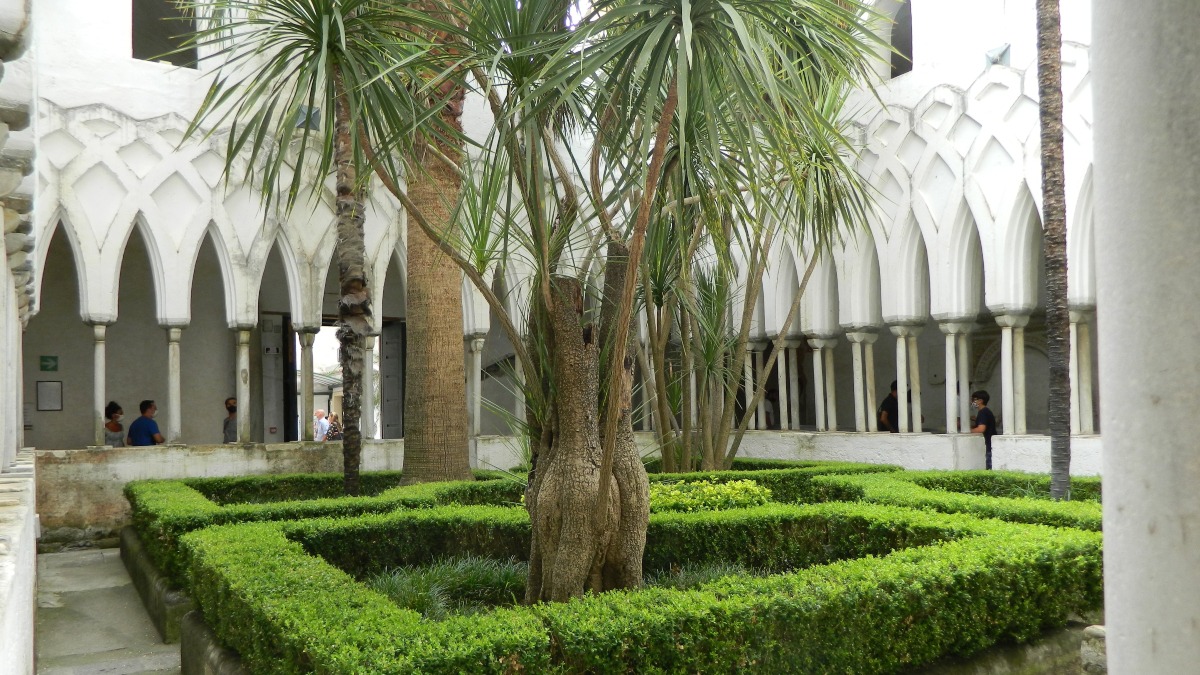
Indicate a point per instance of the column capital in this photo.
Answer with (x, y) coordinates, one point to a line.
(906, 329)
(755, 346)
(822, 343)
(97, 323)
(1082, 314)
(174, 323)
(475, 341)
(957, 326)
(862, 336)
(793, 342)
(174, 333)
(99, 330)
(306, 337)
(308, 330)
(1012, 320)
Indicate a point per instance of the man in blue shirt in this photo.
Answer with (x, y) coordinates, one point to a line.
(144, 430)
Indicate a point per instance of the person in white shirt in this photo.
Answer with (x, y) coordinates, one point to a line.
(321, 426)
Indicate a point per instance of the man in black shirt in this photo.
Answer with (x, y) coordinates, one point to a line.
(985, 421)
(889, 412)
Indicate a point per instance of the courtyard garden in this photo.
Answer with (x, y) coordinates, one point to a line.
(804, 567)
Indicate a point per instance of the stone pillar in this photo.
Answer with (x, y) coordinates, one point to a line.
(1147, 169)
(818, 382)
(475, 383)
(1081, 373)
(856, 351)
(964, 379)
(174, 386)
(748, 387)
(830, 386)
(908, 375)
(914, 380)
(306, 335)
(1008, 372)
(99, 381)
(366, 420)
(872, 402)
(760, 412)
(794, 382)
(243, 384)
(781, 379)
(957, 421)
(1019, 380)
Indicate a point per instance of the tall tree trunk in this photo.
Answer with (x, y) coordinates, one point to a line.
(354, 303)
(436, 444)
(1049, 37)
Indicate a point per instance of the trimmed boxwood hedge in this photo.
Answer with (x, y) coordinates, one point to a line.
(163, 510)
(913, 489)
(942, 584)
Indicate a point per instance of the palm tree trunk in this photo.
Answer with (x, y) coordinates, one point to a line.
(354, 304)
(1049, 36)
(436, 445)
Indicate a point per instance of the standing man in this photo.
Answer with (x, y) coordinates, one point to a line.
(889, 412)
(321, 427)
(230, 430)
(985, 421)
(144, 430)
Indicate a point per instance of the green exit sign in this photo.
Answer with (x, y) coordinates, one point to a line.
(48, 363)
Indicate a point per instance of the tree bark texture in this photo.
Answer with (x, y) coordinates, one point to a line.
(1055, 224)
(578, 544)
(354, 302)
(435, 406)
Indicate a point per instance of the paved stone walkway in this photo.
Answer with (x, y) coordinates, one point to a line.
(91, 621)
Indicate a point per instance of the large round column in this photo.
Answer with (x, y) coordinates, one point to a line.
(818, 381)
(1147, 173)
(366, 422)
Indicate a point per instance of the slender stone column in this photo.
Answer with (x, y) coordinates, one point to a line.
(1019, 380)
(174, 386)
(475, 388)
(99, 382)
(830, 387)
(781, 378)
(860, 413)
(794, 380)
(1073, 360)
(914, 380)
(519, 404)
(366, 422)
(956, 391)
(1081, 373)
(1008, 372)
(307, 335)
(818, 382)
(1147, 242)
(748, 387)
(901, 333)
(243, 384)
(872, 402)
(964, 380)
(760, 413)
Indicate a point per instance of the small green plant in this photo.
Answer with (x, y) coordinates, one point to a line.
(704, 495)
(466, 585)
(689, 576)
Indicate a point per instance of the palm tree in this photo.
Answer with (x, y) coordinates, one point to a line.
(1054, 209)
(276, 61)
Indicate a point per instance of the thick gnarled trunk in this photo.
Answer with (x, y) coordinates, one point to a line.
(579, 545)
(435, 407)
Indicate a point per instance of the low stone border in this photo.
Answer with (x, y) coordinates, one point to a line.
(201, 654)
(1093, 650)
(165, 605)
